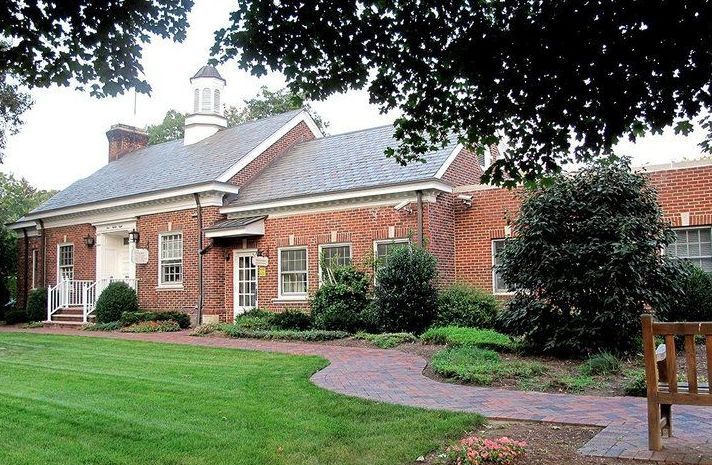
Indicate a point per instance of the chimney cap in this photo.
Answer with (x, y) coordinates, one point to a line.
(126, 128)
(208, 71)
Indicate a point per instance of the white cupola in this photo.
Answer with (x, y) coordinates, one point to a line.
(207, 116)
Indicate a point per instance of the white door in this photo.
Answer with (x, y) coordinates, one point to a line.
(244, 283)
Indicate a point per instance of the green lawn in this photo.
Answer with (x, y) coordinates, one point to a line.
(80, 400)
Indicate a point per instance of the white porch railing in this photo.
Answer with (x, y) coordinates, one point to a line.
(80, 293)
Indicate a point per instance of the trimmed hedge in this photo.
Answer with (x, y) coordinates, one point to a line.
(131, 318)
(464, 305)
(386, 340)
(37, 305)
(291, 319)
(311, 335)
(152, 327)
(468, 337)
(116, 299)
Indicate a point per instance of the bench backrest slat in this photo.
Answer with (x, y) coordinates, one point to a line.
(691, 362)
(708, 344)
(671, 362)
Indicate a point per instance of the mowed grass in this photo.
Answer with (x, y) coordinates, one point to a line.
(79, 400)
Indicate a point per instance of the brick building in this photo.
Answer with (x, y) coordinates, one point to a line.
(228, 219)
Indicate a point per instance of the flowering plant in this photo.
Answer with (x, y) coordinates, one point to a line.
(474, 450)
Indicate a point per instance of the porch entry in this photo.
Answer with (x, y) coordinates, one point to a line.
(244, 282)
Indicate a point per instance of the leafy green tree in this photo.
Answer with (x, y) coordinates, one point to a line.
(17, 197)
(585, 261)
(264, 104)
(13, 103)
(531, 73)
(171, 128)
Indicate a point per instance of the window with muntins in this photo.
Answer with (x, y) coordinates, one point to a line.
(196, 101)
(499, 286)
(293, 272)
(386, 247)
(206, 105)
(693, 245)
(333, 256)
(66, 262)
(171, 259)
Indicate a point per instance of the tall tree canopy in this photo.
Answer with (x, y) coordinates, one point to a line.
(556, 80)
(264, 104)
(17, 197)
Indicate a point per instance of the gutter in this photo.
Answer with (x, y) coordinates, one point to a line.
(419, 203)
(199, 211)
(44, 253)
(25, 287)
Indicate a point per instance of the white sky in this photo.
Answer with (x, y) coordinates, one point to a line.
(63, 138)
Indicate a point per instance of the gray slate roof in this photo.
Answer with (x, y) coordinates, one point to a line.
(337, 163)
(236, 223)
(208, 71)
(168, 165)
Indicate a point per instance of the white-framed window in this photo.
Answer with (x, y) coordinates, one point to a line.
(293, 272)
(332, 256)
(499, 286)
(65, 262)
(693, 245)
(35, 264)
(206, 105)
(170, 259)
(196, 101)
(216, 101)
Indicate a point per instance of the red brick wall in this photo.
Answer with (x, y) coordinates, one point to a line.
(24, 267)
(84, 257)
(299, 133)
(687, 190)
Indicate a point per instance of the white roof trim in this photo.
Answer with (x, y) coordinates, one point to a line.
(132, 199)
(339, 196)
(302, 116)
(21, 225)
(456, 151)
(256, 228)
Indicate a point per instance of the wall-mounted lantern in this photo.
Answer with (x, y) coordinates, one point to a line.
(88, 241)
(134, 236)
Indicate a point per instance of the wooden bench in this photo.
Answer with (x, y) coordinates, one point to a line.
(661, 373)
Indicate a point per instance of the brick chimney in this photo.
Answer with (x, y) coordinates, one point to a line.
(124, 139)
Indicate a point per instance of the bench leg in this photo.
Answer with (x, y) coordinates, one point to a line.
(655, 439)
(666, 412)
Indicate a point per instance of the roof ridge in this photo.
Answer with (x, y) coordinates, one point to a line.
(331, 136)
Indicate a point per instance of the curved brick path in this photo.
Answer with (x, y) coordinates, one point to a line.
(396, 377)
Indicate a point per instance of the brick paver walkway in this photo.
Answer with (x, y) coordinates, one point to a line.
(396, 377)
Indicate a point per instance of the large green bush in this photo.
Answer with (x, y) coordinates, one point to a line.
(15, 315)
(405, 293)
(342, 305)
(585, 262)
(464, 305)
(116, 299)
(37, 305)
(291, 319)
(695, 304)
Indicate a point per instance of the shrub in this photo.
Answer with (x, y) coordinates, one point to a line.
(386, 340)
(481, 366)
(471, 337)
(474, 450)
(116, 299)
(37, 305)
(206, 328)
(604, 363)
(15, 315)
(291, 319)
(254, 319)
(310, 335)
(635, 384)
(405, 293)
(33, 324)
(463, 305)
(695, 304)
(152, 327)
(130, 318)
(342, 305)
(112, 326)
(585, 261)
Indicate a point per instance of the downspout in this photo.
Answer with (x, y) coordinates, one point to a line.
(44, 254)
(421, 233)
(25, 286)
(199, 211)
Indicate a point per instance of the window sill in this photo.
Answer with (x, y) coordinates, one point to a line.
(291, 300)
(169, 287)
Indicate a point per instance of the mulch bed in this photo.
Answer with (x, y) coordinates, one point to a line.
(547, 444)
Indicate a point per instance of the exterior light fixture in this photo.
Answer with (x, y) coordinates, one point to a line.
(88, 241)
(134, 236)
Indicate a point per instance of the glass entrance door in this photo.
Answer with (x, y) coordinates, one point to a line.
(245, 283)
